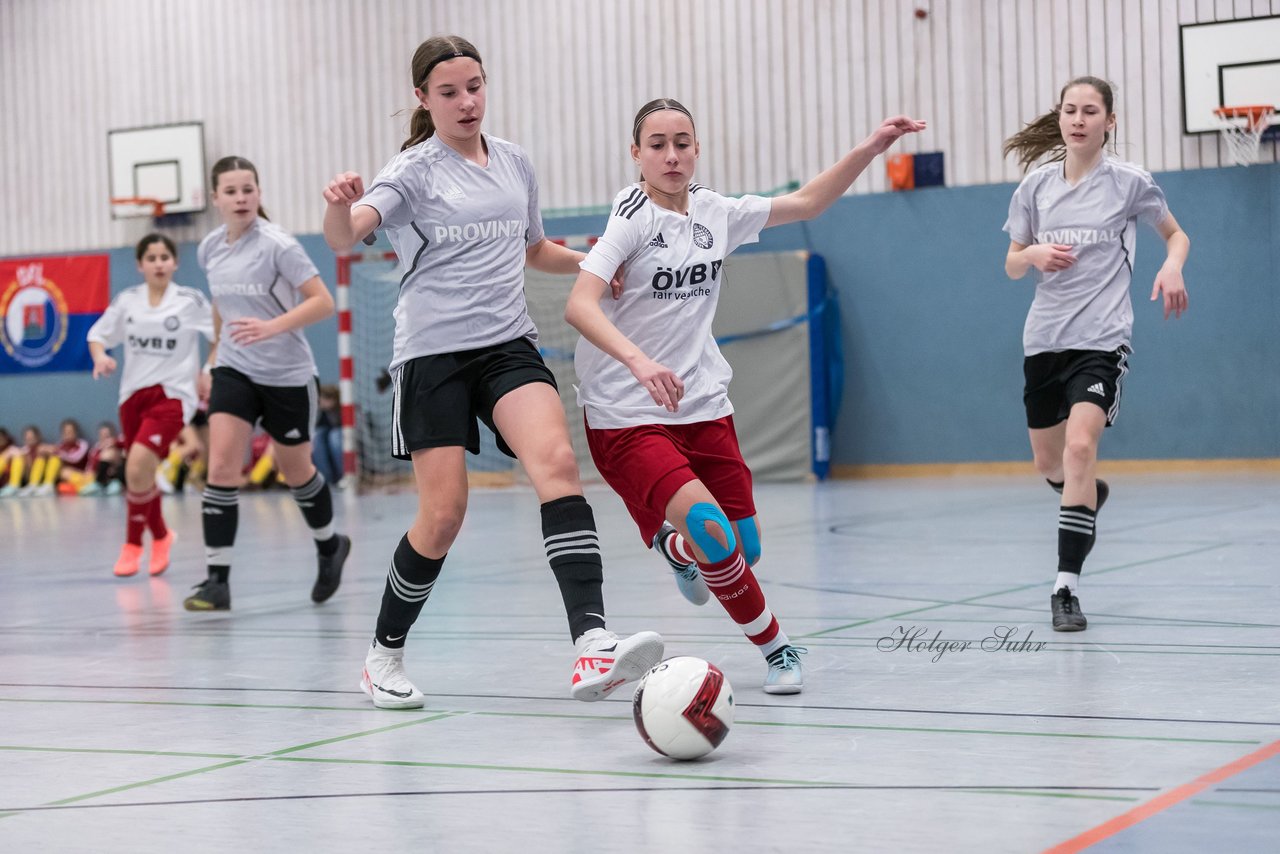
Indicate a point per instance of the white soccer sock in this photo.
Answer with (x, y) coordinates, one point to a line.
(1069, 580)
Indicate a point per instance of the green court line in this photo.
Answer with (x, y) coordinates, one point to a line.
(376, 731)
(446, 713)
(276, 755)
(1018, 589)
(654, 775)
(1238, 804)
(152, 782)
(121, 752)
(1030, 793)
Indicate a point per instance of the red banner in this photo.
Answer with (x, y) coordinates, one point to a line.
(46, 308)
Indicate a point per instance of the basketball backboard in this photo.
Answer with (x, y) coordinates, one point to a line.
(164, 162)
(1228, 63)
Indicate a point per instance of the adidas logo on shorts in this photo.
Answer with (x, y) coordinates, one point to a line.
(658, 241)
(1097, 389)
(297, 434)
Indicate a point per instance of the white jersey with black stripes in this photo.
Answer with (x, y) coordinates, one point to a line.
(672, 279)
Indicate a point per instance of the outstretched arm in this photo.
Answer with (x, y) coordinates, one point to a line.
(1169, 279)
(583, 313)
(820, 193)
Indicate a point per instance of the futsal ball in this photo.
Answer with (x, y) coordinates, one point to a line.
(683, 707)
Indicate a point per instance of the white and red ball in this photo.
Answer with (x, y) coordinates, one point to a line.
(683, 707)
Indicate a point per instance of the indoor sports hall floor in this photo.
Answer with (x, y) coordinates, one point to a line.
(127, 724)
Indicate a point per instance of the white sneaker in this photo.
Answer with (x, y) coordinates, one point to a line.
(690, 581)
(45, 489)
(384, 681)
(785, 675)
(604, 662)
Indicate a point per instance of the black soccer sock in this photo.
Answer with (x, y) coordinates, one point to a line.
(102, 473)
(1076, 534)
(573, 550)
(409, 583)
(1056, 485)
(316, 502)
(221, 514)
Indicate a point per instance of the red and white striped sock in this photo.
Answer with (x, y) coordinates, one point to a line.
(678, 547)
(735, 585)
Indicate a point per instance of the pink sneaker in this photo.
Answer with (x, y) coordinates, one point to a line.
(160, 552)
(127, 563)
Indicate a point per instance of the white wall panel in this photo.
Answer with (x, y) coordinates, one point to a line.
(780, 88)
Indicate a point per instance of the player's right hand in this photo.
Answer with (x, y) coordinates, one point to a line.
(104, 367)
(1050, 257)
(663, 384)
(345, 189)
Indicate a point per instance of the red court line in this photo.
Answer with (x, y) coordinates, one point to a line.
(1160, 803)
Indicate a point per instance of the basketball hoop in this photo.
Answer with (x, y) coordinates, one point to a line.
(1242, 129)
(134, 206)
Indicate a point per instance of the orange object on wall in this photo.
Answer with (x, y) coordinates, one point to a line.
(900, 168)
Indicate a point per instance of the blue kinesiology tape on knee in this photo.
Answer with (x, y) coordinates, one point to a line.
(750, 539)
(699, 515)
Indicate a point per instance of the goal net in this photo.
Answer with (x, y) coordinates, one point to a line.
(775, 323)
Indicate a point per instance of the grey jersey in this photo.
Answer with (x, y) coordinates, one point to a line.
(461, 231)
(259, 276)
(1086, 306)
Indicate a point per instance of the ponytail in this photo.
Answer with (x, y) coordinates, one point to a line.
(421, 127)
(1041, 136)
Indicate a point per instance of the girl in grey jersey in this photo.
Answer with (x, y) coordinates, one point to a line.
(1074, 220)
(461, 210)
(265, 290)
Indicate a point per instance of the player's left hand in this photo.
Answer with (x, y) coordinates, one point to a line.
(250, 330)
(891, 129)
(1169, 281)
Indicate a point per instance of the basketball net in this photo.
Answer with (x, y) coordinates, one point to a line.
(1243, 139)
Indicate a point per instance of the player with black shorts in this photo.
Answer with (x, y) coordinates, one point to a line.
(461, 210)
(265, 290)
(1074, 219)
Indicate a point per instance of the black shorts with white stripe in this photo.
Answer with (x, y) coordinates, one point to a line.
(439, 399)
(287, 413)
(1057, 381)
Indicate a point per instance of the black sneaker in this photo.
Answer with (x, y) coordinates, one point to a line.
(329, 575)
(1067, 616)
(210, 595)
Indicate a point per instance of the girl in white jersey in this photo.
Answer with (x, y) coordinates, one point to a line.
(265, 290)
(653, 383)
(160, 323)
(461, 210)
(1074, 219)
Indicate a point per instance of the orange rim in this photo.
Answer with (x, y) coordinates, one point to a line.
(1255, 113)
(157, 206)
